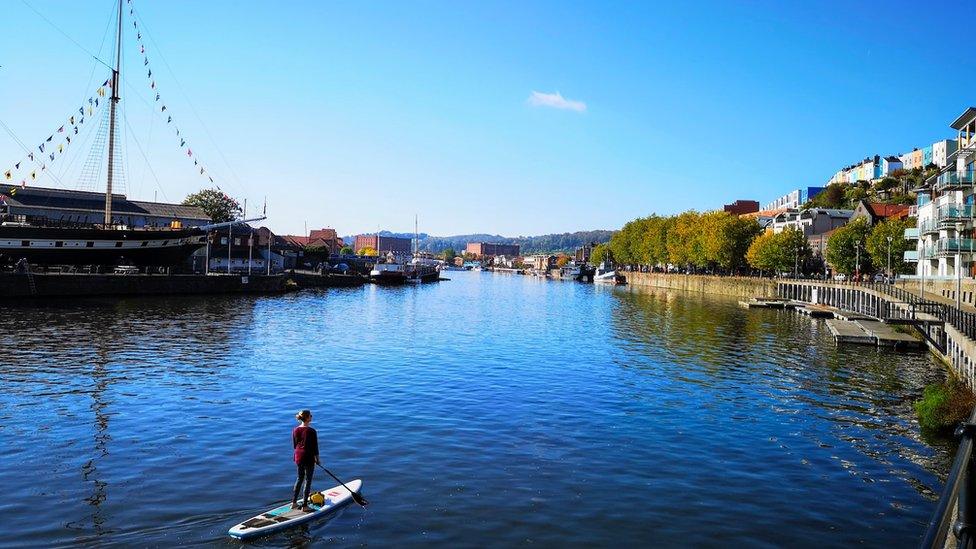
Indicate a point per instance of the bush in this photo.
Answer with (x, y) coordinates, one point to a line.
(944, 405)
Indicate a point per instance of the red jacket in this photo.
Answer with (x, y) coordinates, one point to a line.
(306, 444)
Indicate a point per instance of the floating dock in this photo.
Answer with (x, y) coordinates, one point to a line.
(770, 303)
(887, 336)
(846, 331)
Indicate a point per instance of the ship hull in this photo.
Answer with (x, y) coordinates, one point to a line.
(91, 246)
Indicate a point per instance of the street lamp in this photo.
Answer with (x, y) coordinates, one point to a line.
(889, 258)
(857, 261)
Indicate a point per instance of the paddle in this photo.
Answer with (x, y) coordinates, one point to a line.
(356, 496)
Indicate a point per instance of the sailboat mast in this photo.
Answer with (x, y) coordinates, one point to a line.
(111, 121)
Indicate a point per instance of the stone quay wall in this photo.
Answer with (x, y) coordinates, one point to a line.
(738, 286)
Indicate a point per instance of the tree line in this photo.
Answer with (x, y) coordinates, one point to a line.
(723, 243)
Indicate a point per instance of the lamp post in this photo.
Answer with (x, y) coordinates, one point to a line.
(857, 261)
(959, 266)
(889, 258)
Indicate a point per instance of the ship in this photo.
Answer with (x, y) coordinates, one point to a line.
(74, 240)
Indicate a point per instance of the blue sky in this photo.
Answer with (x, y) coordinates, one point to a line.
(356, 115)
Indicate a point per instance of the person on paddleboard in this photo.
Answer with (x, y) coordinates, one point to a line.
(306, 444)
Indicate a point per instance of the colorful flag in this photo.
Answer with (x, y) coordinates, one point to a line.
(201, 171)
(31, 156)
(60, 148)
(211, 179)
(101, 92)
(68, 137)
(52, 157)
(72, 120)
(9, 175)
(145, 61)
(50, 138)
(157, 97)
(189, 152)
(105, 83)
(81, 111)
(17, 165)
(96, 104)
(61, 129)
(41, 147)
(182, 142)
(76, 130)
(163, 109)
(34, 175)
(142, 49)
(169, 119)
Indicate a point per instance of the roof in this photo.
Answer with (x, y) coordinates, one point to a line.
(87, 201)
(885, 211)
(831, 212)
(323, 234)
(763, 213)
(963, 119)
(893, 159)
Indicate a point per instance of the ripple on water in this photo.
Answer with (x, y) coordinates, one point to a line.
(489, 409)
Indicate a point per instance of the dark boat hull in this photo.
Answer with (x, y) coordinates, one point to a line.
(91, 246)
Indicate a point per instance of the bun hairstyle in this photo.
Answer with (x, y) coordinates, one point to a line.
(303, 415)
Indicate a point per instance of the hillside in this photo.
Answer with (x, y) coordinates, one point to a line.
(564, 242)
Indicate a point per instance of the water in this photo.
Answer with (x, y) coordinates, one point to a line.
(490, 410)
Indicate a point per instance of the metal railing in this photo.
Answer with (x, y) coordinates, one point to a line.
(956, 509)
(954, 180)
(947, 213)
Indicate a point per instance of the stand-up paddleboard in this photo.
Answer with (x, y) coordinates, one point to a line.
(283, 517)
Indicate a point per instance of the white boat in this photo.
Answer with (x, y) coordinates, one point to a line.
(606, 275)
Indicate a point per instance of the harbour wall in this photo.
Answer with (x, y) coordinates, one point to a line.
(943, 339)
(723, 285)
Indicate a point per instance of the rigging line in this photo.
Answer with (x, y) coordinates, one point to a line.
(57, 28)
(101, 46)
(27, 150)
(148, 165)
(189, 102)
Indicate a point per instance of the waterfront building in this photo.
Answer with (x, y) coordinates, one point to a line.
(540, 262)
(875, 212)
(491, 249)
(813, 221)
(384, 244)
(326, 239)
(945, 207)
(67, 208)
(890, 164)
(582, 255)
(740, 207)
(942, 150)
(794, 198)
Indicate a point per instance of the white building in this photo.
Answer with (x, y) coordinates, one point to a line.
(945, 210)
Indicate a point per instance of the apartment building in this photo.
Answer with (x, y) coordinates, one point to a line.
(945, 210)
(794, 198)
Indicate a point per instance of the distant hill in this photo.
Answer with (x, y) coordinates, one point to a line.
(565, 242)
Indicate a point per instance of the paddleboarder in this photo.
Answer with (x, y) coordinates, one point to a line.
(306, 443)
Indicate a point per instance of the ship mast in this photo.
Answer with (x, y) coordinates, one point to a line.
(111, 121)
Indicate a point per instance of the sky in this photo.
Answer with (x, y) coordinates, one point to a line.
(512, 118)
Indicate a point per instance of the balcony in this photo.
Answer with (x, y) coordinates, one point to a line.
(954, 180)
(926, 226)
(911, 256)
(911, 233)
(952, 246)
(948, 214)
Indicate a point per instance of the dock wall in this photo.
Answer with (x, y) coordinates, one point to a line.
(956, 349)
(723, 285)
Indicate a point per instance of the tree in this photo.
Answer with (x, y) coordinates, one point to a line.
(764, 252)
(345, 250)
(843, 245)
(794, 249)
(368, 251)
(878, 245)
(562, 260)
(599, 253)
(449, 254)
(215, 203)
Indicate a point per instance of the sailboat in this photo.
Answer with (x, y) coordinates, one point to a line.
(41, 239)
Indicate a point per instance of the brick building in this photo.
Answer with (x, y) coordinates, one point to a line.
(489, 249)
(740, 207)
(386, 244)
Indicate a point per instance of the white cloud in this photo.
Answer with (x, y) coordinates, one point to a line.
(555, 101)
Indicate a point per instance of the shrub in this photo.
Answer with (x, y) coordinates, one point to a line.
(944, 405)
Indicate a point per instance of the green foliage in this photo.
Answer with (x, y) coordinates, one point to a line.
(944, 405)
(448, 254)
(843, 246)
(599, 253)
(690, 239)
(782, 252)
(878, 245)
(217, 205)
(345, 250)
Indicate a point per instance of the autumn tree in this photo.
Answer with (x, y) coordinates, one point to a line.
(215, 203)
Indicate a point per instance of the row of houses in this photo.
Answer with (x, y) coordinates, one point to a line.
(879, 167)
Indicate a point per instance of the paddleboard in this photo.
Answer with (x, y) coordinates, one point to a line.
(284, 516)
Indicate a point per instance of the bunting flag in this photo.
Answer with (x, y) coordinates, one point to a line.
(51, 148)
(163, 109)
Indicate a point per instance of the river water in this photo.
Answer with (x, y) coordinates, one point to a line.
(491, 410)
